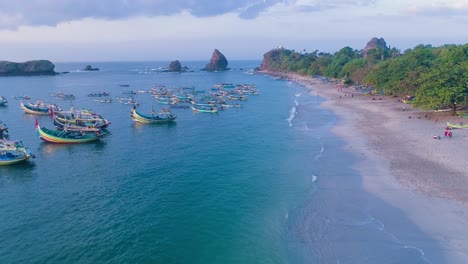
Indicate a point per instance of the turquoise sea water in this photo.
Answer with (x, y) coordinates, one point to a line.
(266, 183)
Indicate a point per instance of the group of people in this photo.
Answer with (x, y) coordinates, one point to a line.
(448, 132)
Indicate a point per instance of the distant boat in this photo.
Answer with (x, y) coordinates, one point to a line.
(39, 108)
(165, 116)
(103, 100)
(204, 109)
(66, 136)
(3, 101)
(12, 152)
(98, 94)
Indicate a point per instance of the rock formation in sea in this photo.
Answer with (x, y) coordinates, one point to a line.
(28, 68)
(218, 62)
(90, 68)
(175, 66)
(373, 44)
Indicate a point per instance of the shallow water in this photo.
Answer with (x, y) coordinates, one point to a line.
(265, 183)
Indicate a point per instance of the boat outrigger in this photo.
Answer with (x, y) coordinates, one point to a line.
(165, 116)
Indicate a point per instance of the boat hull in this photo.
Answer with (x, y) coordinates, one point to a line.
(137, 117)
(53, 136)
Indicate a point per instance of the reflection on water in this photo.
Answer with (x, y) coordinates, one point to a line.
(46, 148)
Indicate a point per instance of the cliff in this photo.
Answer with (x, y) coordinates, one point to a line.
(28, 68)
(218, 62)
(271, 58)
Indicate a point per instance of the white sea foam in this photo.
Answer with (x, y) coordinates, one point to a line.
(292, 114)
(319, 155)
(314, 178)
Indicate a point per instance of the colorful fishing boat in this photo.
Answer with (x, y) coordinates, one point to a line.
(66, 136)
(457, 126)
(103, 100)
(39, 108)
(12, 152)
(82, 117)
(165, 116)
(3, 101)
(204, 109)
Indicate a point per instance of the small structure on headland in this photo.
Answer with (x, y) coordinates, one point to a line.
(218, 62)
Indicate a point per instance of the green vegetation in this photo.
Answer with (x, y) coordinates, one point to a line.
(436, 76)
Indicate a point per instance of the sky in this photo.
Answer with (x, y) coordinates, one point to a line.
(166, 30)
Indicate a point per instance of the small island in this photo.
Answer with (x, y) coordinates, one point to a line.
(28, 68)
(90, 68)
(218, 62)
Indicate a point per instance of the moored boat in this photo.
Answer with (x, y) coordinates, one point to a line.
(67, 136)
(3, 101)
(204, 109)
(165, 116)
(39, 108)
(13, 151)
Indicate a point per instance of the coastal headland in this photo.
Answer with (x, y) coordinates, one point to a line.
(402, 160)
(28, 68)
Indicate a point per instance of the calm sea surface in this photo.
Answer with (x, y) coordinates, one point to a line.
(265, 183)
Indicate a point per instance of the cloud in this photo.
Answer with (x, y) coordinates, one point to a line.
(320, 5)
(52, 12)
(439, 9)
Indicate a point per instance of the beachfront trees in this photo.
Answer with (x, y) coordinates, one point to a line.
(446, 83)
(436, 75)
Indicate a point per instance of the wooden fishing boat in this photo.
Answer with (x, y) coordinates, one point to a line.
(103, 100)
(3, 101)
(237, 97)
(165, 116)
(204, 109)
(457, 126)
(12, 152)
(231, 105)
(39, 108)
(84, 118)
(66, 136)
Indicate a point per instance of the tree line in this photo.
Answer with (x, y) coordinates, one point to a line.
(437, 77)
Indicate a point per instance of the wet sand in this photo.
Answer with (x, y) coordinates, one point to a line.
(401, 163)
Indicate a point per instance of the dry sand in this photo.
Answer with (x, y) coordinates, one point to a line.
(403, 164)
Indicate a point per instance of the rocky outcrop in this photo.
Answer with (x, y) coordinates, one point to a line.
(373, 44)
(175, 66)
(28, 68)
(218, 62)
(270, 59)
(90, 68)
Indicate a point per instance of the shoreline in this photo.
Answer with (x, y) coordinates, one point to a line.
(401, 163)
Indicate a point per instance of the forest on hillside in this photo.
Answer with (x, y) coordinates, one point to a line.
(437, 77)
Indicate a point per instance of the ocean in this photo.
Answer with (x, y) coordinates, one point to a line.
(264, 183)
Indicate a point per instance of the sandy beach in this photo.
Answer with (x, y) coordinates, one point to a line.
(403, 164)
